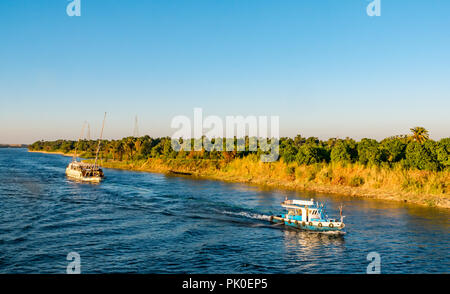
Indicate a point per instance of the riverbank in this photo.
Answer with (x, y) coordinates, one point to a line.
(53, 152)
(407, 186)
(417, 187)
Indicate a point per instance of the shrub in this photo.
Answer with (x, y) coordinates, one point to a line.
(290, 170)
(327, 176)
(339, 180)
(311, 175)
(356, 181)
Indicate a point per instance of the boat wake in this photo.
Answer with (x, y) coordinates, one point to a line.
(248, 215)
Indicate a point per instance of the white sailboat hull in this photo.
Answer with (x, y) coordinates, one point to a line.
(77, 175)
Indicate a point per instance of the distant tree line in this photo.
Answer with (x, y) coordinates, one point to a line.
(13, 145)
(416, 151)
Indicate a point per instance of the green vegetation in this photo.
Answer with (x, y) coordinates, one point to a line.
(13, 146)
(410, 152)
(408, 168)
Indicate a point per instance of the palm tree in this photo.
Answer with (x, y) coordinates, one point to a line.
(138, 145)
(299, 140)
(128, 144)
(117, 150)
(419, 134)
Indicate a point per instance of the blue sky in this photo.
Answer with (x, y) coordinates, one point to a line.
(324, 66)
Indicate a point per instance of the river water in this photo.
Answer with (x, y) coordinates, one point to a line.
(136, 222)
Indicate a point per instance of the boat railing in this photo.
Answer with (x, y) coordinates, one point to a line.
(83, 165)
(297, 203)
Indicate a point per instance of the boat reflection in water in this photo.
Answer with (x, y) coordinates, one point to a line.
(307, 251)
(307, 240)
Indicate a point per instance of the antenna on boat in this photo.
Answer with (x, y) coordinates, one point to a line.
(99, 141)
(340, 212)
(88, 132)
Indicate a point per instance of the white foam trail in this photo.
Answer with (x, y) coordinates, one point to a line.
(248, 215)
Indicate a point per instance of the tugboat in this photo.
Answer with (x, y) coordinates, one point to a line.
(86, 172)
(308, 215)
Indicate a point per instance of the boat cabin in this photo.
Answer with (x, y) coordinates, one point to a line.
(86, 169)
(308, 215)
(302, 210)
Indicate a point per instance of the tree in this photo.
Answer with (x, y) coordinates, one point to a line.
(128, 146)
(421, 156)
(118, 150)
(414, 151)
(331, 142)
(157, 150)
(344, 151)
(369, 152)
(393, 149)
(167, 150)
(288, 151)
(67, 146)
(419, 134)
(311, 153)
(312, 140)
(443, 152)
(146, 147)
(299, 141)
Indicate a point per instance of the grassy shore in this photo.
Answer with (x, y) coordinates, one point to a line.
(408, 186)
(52, 152)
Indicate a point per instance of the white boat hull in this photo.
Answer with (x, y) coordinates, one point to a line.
(77, 175)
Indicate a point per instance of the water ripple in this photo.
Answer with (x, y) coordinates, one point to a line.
(138, 222)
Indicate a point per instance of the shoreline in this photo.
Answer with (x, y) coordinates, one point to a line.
(159, 166)
(374, 194)
(53, 152)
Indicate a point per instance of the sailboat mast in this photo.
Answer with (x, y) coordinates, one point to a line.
(99, 142)
(79, 139)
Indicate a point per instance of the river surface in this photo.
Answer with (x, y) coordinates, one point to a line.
(137, 222)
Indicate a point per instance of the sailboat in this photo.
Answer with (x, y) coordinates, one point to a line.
(86, 172)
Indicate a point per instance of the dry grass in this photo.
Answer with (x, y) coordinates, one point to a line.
(413, 186)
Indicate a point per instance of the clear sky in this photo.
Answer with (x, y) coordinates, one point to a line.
(324, 66)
